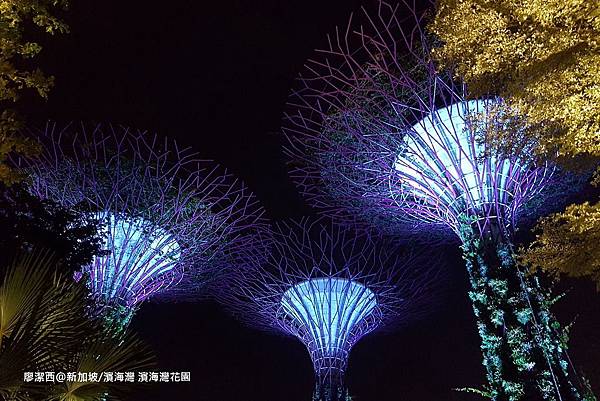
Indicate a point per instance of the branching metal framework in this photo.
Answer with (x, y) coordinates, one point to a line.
(377, 134)
(329, 287)
(374, 131)
(443, 175)
(170, 221)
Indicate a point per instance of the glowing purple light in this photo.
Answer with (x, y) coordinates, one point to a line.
(329, 287)
(444, 174)
(169, 221)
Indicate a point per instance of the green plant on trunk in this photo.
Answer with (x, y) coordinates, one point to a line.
(524, 348)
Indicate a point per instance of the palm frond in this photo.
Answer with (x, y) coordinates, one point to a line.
(106, 354)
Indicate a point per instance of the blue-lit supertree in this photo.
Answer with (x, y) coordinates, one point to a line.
(377, 134)
(329, 286)
(170, 222)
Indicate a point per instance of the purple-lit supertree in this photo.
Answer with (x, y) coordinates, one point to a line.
(330, 286)
(378, 135)
(169, 221)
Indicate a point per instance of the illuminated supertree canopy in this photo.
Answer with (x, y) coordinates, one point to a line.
(378, 135)
(170, 221)
(443, 175)
(329, 287)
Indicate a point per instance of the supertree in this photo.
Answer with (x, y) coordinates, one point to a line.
(170, 222)
(329, 286)
(378, 135)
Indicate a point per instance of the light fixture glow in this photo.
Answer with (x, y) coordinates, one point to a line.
(170, 222)
(445, 172)
(328, 309)
(330, 286)
(454, 166)
(140, 253)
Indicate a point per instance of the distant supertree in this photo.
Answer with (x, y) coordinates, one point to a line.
(329, 286)
(170, 222)
(378, 135)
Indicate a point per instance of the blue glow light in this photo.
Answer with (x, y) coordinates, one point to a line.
(328, 309)
(445, 167)
(140, 260)
(441, 155)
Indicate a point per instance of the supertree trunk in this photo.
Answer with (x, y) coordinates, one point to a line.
(524, 348)
(331, 390)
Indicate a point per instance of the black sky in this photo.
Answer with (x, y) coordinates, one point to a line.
(215, 76)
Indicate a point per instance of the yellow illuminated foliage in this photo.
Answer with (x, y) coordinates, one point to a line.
(16, 72)
(543, 58)
(569, 240)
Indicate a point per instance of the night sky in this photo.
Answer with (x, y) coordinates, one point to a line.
(215, 76)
